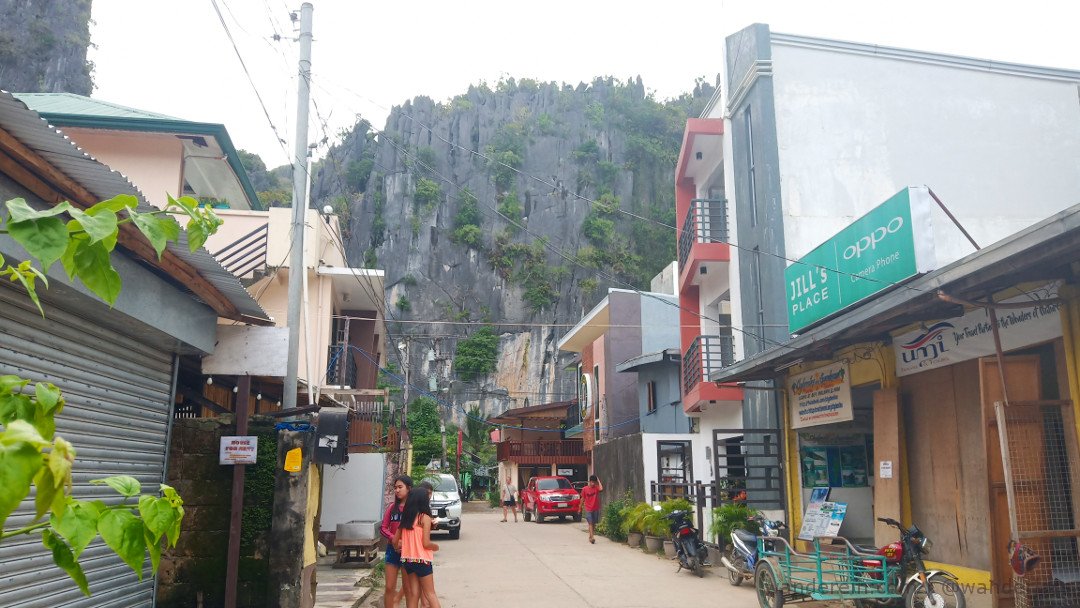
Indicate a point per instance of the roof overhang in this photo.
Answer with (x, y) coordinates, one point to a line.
(534, 412)
(1044, 252)
(702, 136)
(668, 356)
(356, 288)
(60, 170)
(588, 329)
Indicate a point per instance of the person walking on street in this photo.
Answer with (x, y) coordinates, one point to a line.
(509, 501)
(392, 559)
(413, 540)
(590, 503)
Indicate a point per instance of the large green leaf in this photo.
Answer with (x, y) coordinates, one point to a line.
(126, 485)
(153, 547)
(61, 458)
(48, 397)
(78, 523)
(44, 238)
(20, 211)
(158, 514)
(115, 204)
(158, 230)
(125, 534)
(47, 496)
(18, 432)
(11, 384)
(196, 234)
(99, 226)
(95, 270)
(64, 560)
(19, 462)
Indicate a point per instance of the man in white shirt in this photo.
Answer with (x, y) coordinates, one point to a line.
(509, 500)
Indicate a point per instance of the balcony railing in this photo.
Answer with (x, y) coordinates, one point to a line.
(341, 369)
(706, 355)
(246, 254)
(706, 222)
(542, 452)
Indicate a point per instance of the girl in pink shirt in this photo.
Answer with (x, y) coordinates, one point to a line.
(413, 539)
(390, 523)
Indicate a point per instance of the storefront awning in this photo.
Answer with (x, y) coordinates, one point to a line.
(1046, 251)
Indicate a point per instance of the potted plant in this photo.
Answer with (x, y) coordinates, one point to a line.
(634, 522)
(655, 528)
(666, 508)
(730, 517)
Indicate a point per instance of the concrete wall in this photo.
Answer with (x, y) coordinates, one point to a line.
(659, 321)
(353, 491)
(152, 161)
(998, 144)
(669, 416)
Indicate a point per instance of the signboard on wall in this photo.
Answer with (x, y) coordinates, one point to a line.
(821, 396)
(971, 336)
(822, 519)
(891, 243)
(238, 449)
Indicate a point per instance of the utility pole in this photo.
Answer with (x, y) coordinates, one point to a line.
(296, 260)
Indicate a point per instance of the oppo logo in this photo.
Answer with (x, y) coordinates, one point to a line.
(871, 240)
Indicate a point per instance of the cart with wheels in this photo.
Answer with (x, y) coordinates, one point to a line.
(832, 570)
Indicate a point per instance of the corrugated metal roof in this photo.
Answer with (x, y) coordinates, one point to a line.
(70, 103)
(51, 143)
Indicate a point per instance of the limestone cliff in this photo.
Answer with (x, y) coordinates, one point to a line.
(513, 205)
(43, 46)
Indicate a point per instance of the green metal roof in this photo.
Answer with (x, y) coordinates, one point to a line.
(70, 110)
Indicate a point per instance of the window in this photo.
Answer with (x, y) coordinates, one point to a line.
(750, 167)
(760, 303)
(674, 464)
(650, 396)
(553, 484)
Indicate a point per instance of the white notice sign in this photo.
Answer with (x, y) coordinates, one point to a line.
(822, 519)
(885, 469)
(238, 450)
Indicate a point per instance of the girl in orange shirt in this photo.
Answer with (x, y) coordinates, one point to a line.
(413, 540)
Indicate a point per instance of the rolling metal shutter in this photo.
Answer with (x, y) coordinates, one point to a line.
(117, 392)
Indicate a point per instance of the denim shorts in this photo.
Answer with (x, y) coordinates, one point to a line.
(392, 557)
(593, 517)
(420, 569)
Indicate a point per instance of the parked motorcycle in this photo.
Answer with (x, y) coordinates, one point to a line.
(742, 556)
(689, 548)
(919, 587)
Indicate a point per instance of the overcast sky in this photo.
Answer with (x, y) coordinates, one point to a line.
(175, 58)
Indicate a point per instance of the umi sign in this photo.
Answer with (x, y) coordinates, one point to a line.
(891, 243)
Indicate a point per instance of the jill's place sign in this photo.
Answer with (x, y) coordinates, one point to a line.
(890, 244)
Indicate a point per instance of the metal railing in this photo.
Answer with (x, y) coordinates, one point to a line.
(706, 355)
(335, 374)
(706, 222)
(540, 449)
(246, 254)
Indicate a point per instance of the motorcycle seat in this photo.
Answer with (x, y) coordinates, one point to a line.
(746, 537)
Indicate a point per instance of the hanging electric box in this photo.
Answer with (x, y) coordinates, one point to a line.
(332, 435)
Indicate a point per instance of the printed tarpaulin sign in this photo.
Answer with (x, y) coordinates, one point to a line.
(888, 245)
(971, 336)
(822, 519)
(238, 450)
(821, 396)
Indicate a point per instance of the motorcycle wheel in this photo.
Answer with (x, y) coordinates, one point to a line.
(943, 593)
(770, 593)
(736, 578)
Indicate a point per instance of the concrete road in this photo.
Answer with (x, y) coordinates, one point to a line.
(517, 565)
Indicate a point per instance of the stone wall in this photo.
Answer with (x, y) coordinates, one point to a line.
(193, 573)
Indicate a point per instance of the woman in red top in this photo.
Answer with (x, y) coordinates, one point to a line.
(390, 523)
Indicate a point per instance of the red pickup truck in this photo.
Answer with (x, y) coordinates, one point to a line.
(550, 496)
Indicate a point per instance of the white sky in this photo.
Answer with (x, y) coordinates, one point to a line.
(173, 57)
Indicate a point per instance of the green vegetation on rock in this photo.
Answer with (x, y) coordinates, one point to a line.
(477, 354)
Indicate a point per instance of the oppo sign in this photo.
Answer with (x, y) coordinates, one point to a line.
(890, 244)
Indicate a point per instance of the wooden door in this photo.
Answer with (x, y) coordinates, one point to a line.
(1022, 375)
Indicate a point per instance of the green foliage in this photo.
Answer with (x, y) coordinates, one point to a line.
(611, 518)
(730, 517)
(511, 207)
(654, 524)
(278, 197)
(588, 286)
(427, 160)
(403, 303)
(414, 225)
(477, 354)
(594, 113)
(378, 205)
(31, 454)
(257, 516)
(408, 280)
(468, 213)
(506, 154)
(427, 194)
(493, 497)
(371, 259)
(633, 517)
(358, 172)
(587, 153)
(606, 173)
(545, 124)
(469, 235)
(599, 230)
(423, 425)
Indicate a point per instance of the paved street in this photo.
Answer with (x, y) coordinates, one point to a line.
(527, 564)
